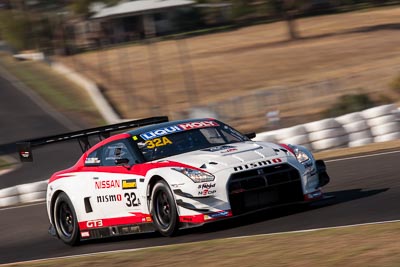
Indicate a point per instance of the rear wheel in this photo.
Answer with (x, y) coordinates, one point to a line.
(65, 220)
(163, 209)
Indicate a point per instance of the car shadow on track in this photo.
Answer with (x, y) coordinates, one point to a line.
(332, 198)
(337, 197)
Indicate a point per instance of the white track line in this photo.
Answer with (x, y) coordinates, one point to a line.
(318, 229)
(364, 156)
(228, 238)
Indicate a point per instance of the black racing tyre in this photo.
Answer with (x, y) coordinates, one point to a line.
(65, 221)
(163, 209)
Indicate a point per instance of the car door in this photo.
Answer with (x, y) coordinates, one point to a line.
(114, 185)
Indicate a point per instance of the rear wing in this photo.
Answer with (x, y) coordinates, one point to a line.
(24, 148)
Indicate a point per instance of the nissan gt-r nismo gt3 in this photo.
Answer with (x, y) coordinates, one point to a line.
(173, 175)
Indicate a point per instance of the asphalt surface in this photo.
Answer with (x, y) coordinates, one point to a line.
(365, 190)
(22, 118)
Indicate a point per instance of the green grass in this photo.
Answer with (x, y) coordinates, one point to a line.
(369, 245)
(60, 93)
(5, 164)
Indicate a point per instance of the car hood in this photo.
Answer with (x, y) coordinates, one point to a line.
(220, 157)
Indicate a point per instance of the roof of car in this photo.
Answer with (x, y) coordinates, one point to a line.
(152, 127)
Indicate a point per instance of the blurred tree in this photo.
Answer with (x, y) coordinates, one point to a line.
(241, 8)
(82, 7)
(27, 24)
(349, 103)
(287, 10)
(22, 31)
(14, 27)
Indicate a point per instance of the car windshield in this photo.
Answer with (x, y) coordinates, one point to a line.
(186, 137)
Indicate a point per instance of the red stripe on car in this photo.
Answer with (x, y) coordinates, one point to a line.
(138, 169)
(287, 148)
(100, 223)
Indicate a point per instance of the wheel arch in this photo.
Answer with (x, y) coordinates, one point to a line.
(153, 181)
(173, 223)
(53, 201)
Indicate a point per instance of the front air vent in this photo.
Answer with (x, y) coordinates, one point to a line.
(264, 187)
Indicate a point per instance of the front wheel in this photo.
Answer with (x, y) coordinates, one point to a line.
(163, 209)
(65, 220)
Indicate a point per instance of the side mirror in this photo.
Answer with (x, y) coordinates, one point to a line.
(250, 135)
(123, 161)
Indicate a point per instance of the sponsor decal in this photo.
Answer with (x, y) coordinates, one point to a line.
(206, 192)
(147, 219)
(256, 164)
(229, 150)
(157, 142)
(277, 160)
(206, 186)
(161, 132)
(107, 184)
(109, 198)
(177, 128)
(186, 219)
(131, 200)
(129, 184)
(197, 125)
(215, 215)
(94, 223)
(85, 234)
(177, 185)
(132, 218)
(92, 161)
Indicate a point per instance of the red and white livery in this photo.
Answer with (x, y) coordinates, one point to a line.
(172, 175)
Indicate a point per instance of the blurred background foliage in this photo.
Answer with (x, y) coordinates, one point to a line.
(236, 82)
(44, 17)
(350, 103)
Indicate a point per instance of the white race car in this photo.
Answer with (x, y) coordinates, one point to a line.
(167, 176)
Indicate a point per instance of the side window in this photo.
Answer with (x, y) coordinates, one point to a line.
(94, 158)
(212, 135)
(231, 137)
(116, 150)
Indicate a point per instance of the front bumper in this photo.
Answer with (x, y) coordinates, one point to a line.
(322, 174)
(242, 192)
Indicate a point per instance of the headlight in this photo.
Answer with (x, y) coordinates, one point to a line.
(196, 176)
(301, 156)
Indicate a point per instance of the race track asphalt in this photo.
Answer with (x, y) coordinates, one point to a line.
(20, 119)
(365, 190)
